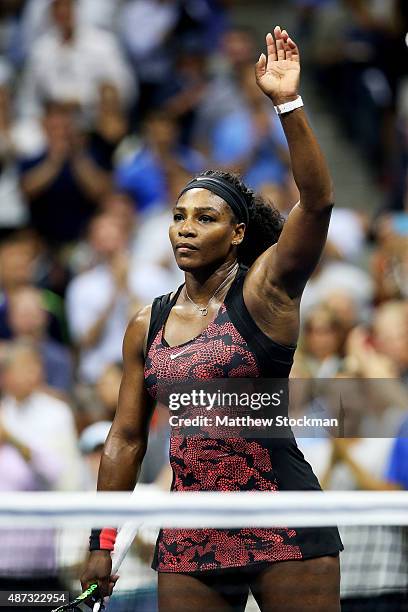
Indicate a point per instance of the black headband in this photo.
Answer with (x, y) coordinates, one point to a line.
(225, 190)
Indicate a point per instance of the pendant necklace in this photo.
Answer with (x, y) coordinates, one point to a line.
(204, 309)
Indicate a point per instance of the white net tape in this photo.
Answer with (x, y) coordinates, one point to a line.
(204, 509)
(45, 534)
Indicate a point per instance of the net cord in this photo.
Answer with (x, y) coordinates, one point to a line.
(152, 507)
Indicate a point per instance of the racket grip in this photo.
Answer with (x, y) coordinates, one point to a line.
(124, 540)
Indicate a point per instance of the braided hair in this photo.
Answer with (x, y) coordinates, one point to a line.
(265, 221)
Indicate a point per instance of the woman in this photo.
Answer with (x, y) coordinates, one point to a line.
(322, 350)
(228, 321)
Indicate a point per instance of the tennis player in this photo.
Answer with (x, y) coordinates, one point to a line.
(237, 315)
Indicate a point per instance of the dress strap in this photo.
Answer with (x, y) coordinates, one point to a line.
(275, 359)
(160, 310)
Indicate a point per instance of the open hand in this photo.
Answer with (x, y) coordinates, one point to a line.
(120, 270)
(278, 75)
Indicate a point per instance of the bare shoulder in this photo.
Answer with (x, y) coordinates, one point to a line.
(137, 330)
(140, 321)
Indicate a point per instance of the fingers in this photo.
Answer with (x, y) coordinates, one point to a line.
(271, 49)
(291, 47)
(260, 66)
(287, 47)
(280, 46)
(104, 587)
(112, 583)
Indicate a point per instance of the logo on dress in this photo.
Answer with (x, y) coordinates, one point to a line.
(175, 355)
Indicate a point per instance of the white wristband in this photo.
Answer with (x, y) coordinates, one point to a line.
(287, 107)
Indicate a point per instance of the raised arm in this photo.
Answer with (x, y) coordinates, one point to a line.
(126, 444)
(288, 264)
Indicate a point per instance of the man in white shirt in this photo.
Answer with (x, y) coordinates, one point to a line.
(99, 301)
(38, 420)
(38, 452)
(35, 18)
(71, 61)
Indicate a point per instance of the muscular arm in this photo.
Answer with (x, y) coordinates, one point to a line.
(126, 444)
(275, 282)
(291, 261)
(288, 264)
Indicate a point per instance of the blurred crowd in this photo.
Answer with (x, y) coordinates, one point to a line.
(106, 110)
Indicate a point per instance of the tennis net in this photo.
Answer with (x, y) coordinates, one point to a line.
(44, 536)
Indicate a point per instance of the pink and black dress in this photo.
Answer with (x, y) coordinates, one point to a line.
(231, 346)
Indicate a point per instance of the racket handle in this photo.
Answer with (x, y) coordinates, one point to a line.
(123, 542)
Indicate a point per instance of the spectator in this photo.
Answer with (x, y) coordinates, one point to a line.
(182, 96)
(22, 263)
(12, 211)
(118, 205)
(333, 273)
(360, 54)
(64, 183)
(91, 444)
(9, 16)
(27, 556)
(223, 96)
(33, 416)
(16, 270)
(28, 321)
(110, 126)
(104, 289)
(144, 173)
(35, 21)
(390, 334)
(25, 464)
(322, 346)
(121, 205)
(382, 398)
(389, 263)
(238, 48)
(149, 51)
(283, 196)
(19, 135)
(107, 290)
(258, 150)
(344, 307)
(346, 232)
(107, 390)
(70, 61)
(98, 402)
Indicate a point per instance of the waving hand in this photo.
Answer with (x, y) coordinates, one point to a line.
(278, 74)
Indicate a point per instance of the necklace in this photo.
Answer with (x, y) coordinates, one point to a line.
(204, 309)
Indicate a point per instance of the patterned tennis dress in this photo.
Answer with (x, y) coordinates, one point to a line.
(231, 346)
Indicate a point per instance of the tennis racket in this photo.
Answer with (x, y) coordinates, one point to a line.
(92, 597)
